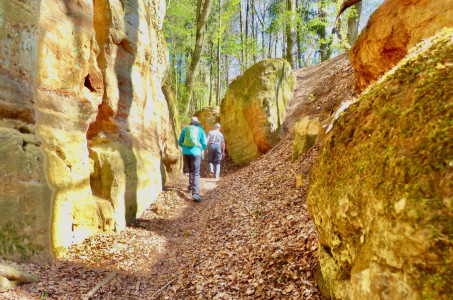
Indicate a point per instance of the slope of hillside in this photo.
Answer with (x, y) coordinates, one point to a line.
(319, 90)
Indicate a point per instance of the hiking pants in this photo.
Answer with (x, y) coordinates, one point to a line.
(193, 162)
(215, 156)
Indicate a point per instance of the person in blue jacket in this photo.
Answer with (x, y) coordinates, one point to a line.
(193, 142)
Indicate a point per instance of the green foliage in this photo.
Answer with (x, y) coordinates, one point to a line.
(263, 38)
(14, 241)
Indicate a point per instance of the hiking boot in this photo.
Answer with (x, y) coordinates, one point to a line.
(196, 198)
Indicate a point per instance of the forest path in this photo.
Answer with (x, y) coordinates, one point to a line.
(251, 237)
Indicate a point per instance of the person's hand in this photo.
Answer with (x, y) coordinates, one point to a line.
(223, 155)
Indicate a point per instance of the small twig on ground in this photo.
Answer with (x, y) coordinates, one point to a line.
(99, 285)
(249, 212)
(137, 286)
(163, 288)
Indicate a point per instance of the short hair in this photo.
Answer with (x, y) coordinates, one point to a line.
(218, 126)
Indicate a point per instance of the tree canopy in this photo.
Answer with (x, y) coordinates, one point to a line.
(207, 54)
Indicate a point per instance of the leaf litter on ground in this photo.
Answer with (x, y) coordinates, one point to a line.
(251, 237)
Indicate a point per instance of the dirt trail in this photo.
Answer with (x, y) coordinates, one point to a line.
(250, 238)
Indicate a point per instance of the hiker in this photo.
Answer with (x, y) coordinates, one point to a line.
(216, 150)
(193, 143)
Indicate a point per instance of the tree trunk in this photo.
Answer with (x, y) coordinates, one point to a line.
(199, 39)
(181, 57)
(291, 32)
(283, 43)
(263, 29)
(299, 39)
(254, 35)
(242, 36)
(276, 44)
(218, 57)
(211, 74)
(322, 33)
(218, 74)
(353, 24)
(299, 49)
(247, 13)
(175, 70)
(269, 51)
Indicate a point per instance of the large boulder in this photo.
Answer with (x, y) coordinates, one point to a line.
(395, 27)
(208, 117)
(84, 123)
(381, 193)
(253, 110)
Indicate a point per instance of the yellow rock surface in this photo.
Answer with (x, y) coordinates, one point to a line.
(82, 107)
(254, 107)
(306, 131)
(379, 188)
(395, 27)
(208, 117)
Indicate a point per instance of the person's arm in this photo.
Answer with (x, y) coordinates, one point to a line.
(181, 137)
(207, 142)
(203, 140)
(223, 146)
(209, 138)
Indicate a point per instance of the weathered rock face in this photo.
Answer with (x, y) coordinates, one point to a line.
(306, 131)
(395, 27)
(253, 109)
(171, 157)
(208, 117)
(381, 193)
(85, 124)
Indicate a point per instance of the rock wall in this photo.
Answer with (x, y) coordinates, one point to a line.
(381, 192)
(84, 120)
(395, 27)
(25, 193)
(254, 107)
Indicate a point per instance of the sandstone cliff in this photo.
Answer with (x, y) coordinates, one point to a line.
(395, 27)
(381, 192)
(84, 123)
(254, 107)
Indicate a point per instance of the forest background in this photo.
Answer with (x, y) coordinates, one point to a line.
(211, 42)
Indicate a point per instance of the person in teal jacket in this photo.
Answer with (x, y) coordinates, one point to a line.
(193, 154)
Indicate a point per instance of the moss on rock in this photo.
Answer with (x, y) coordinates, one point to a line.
(381, 190)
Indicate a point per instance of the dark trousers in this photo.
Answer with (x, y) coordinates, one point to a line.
(215, 156)
(193, 163)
